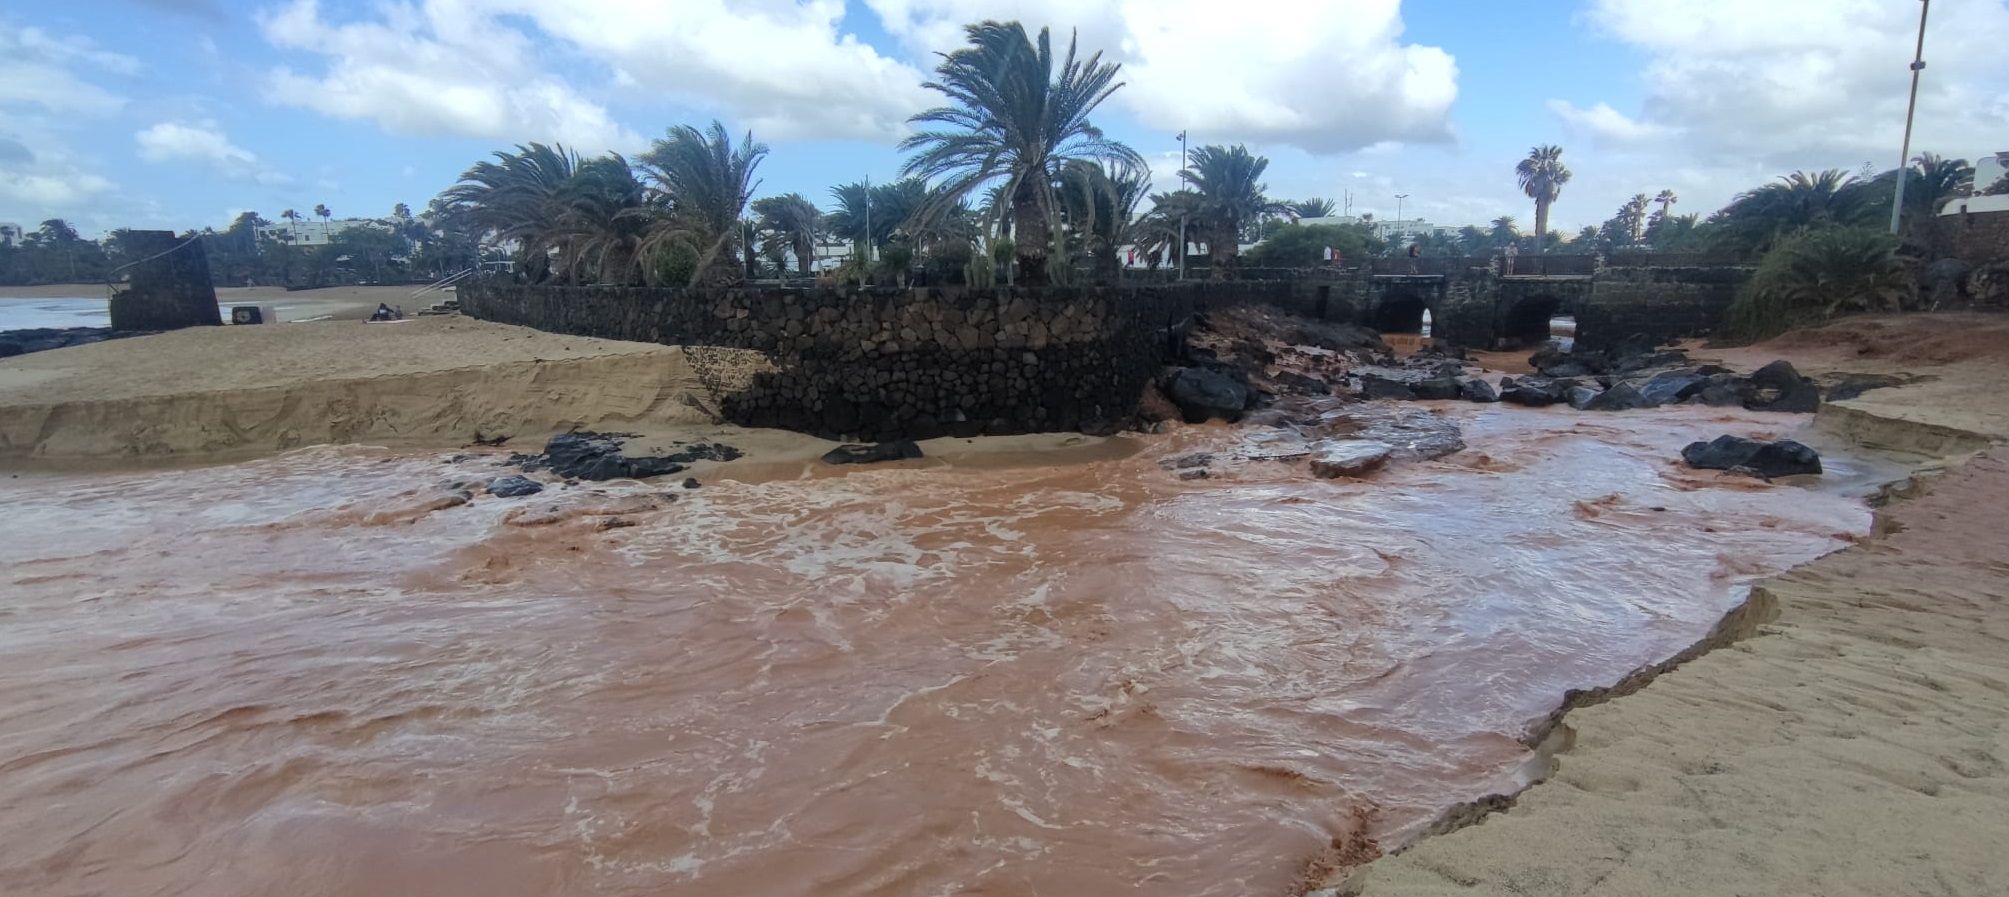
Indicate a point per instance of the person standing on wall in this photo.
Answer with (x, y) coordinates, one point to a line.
(1513, 251)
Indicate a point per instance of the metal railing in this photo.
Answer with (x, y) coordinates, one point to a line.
(445, 282)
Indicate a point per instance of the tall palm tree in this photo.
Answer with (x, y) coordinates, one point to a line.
(1542, 175)
(1229, 181)
(1667, 199)
(1505, 230)
(1633, 213)
(520, 198)
(1013, 120)
(708, 181)
(1313, 208)
(1157, 232)
(791, 222)
(892, 207)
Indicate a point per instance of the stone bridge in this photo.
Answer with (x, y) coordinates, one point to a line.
(1472, 304)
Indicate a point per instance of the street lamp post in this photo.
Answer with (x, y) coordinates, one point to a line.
(1401, 229)
(868, 222)
(1904, 155)
(1182, 215)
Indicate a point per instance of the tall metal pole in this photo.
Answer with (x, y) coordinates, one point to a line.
(1399, 197)
(1904, 156)
(1182, 215)
(868, 221)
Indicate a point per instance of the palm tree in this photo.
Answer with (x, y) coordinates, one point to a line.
(1505, 230)
(708, 182)
(891, 207)
(1542, 176)
(1100, 206)
(1313, 208)
(792, 222)
(1667, 199)
(1229, 182)
(1757, 218)
(1633, 214)
(598, 233)
(1157, 231)
(1819, 272)
(1935, 181)
(1013, 121)
(518, 198)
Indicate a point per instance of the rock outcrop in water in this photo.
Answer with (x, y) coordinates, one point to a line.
(42, 339)
(1753, 457)
(514, 486)
(1332, 458)
(872, 454)
(585, 455)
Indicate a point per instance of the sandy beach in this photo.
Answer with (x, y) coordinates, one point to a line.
(1856, 744)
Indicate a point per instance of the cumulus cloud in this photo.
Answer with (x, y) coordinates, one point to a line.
(204, 142)
(1808, 82)
(46, 91)
(444, 69)
(1323, 75)
(1602, 122)
(476, 67)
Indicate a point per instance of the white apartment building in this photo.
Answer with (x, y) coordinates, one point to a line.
(11, 234)
(311, 231)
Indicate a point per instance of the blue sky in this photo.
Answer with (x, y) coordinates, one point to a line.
(179, 113)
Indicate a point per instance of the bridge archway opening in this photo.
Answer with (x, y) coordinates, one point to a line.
(1536, 320)
(1400, 314)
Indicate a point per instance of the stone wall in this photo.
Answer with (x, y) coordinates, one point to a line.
(1659, 303)
(878, 364)
(167, 289)
(1975, 237)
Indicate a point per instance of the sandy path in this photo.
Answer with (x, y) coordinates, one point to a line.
(1858, 746)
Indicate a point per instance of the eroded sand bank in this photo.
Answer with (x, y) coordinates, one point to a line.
(1857, 744)
(209, 393)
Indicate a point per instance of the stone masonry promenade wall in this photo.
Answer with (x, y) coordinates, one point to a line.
(1660, 303)
(880, 363)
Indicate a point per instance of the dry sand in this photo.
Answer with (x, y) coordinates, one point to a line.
(219, 392)
(1858, 744)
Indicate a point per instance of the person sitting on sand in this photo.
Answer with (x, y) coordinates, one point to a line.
(383, 313)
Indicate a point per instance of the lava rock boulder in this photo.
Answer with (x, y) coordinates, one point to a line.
(1753, 457)
(1203, 394)
(514, 486)
(901, 450)
(1333, 458)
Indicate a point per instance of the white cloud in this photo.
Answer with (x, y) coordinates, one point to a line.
(1605, 123)
(1323, 75)
(477, 67)
(204, 142)
(43, 93)
(1812, 83)
(447, 69)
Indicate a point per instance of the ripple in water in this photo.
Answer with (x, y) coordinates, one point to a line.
(301, 676)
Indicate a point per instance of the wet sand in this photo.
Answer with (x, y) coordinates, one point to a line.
(1857, 745)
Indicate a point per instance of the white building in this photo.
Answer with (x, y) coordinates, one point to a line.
(11, 234)
(312, 231)
(1987, 170)
(1390, 229)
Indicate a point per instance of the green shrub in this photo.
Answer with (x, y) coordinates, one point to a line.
(1815, 274)
(1304, 245)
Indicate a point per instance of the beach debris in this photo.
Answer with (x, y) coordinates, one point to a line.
(899, 450)
(586, 455)
(1331, 458)
(514, 486)
(1752, 457)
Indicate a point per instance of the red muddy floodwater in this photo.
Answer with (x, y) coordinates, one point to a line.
(291, 677)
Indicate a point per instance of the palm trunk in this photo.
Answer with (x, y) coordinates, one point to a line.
(1031, 234)
(1541, 225)
(1224, 251)
(804, 257)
